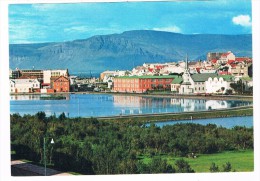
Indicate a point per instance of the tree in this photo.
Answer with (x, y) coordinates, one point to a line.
(227, 167)
(239, 87)
(183, 166)
(213, 168)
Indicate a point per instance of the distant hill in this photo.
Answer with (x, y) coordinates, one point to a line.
(125, 50)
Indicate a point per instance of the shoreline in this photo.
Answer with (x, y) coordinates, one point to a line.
(177, 96)
(165, 117)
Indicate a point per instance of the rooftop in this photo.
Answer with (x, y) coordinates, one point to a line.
(202, 77)
(148, 77)
(177, 80)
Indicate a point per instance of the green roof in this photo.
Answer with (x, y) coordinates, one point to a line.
(226, 77)
(177, 80)
(247, 78)
(203, 77)
(148, 77)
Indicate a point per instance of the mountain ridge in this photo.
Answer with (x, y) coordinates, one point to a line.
(125, 50)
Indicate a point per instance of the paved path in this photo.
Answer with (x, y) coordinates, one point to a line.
(20, 168)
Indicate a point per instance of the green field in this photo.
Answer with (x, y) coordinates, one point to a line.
(241, 161)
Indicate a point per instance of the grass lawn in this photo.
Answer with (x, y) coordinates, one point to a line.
(241, 161)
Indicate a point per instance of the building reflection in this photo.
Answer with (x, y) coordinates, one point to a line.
(138, 104)
(28, 97)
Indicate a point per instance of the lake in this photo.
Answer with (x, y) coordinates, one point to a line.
(97, 105)
(228, 122)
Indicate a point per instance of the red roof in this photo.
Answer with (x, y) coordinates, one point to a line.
(241, 59)
(230, 61)
(46, 84)
(233, 65)
(214, 60)
(150, 69)
(225, 54)
(224, 73)
(198, 70)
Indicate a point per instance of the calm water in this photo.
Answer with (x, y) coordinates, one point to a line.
(96, 105)
(230, 122)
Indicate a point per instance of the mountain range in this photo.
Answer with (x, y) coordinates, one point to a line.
(124, 51)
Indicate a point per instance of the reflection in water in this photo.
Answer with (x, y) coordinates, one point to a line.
(95, 105)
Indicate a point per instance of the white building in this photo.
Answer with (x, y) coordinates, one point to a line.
(24, 85)
(186, 86)
(47, 74)
(219, 84)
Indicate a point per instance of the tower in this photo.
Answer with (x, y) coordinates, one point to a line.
(186, 86)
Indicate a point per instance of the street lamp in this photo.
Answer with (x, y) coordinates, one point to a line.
(44, 152)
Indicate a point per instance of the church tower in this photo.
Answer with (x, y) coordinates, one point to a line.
(186, 87)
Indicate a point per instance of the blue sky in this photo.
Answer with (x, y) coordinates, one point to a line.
(34, 23)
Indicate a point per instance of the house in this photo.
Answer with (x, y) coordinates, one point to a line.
(239, 69)
(24, 85)
(60, 84)
(225, 57)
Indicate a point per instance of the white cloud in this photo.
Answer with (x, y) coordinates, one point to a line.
(174, 29)
(242, 20)
(77, 29)
(43, 7)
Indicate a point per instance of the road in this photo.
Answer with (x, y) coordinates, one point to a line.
(21, 168)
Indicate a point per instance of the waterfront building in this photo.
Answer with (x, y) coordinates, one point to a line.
(47, 74)
(176, 84)
(186, 86)
(219, 84)
(24, 85)
(60, 84)
(142, 83)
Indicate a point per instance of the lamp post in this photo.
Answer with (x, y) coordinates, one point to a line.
(44, 153)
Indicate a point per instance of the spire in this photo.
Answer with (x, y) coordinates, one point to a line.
(186, 65)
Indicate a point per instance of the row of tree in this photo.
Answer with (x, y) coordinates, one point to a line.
(89, 146)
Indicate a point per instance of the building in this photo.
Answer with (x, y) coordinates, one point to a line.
(24, 85)
(213, 56)
(176, 84)
(219, 84)
(198, 82)
(141, 84)
(239, 69)
(225, 57)
(47, 74)
(186, 86)
(60, 84)
(14, 74)
(32, 74)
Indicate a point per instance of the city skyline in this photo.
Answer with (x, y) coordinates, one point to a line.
(38, 23)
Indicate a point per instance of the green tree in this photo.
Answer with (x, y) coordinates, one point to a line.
(213, 168)
(227, 167)
(183, 166)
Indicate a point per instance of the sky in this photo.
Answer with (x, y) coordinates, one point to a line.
(38, 23)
